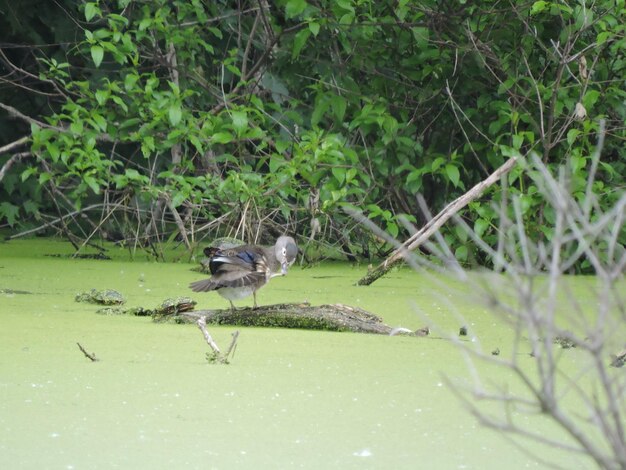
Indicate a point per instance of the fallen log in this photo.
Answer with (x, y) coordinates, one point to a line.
(335, 317)
(434, 224)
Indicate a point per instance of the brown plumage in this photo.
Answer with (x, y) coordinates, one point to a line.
(240, 271)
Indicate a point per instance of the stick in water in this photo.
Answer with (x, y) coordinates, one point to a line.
(91, 356)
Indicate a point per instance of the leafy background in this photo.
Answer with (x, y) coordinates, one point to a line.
(184, 120)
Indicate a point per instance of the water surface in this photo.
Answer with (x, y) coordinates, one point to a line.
(290, 398)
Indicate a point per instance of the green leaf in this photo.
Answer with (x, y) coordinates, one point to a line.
(538, 7)
(434, 166)
(100, 122)
(571, 136)
(175, 114)
(577, 163)
(178, 198)
(299, 41)
(97, 54)
(275, 163)
(222, 138)
(145, 23)
(92, 183)
(392, 229)
(195, 141)
(350, 174)
(9, 212)
(414, 180)
(295, 7)
(147, 146)
(53, 151)
(509, 151)
(603, 37)
(44, 178)
(129, 123)
(102, 96)
(339, 105)
(590, 98)
(91, 10)
(132, 174)
(240, 121)
(453, 174)
(339, 173)
(321, 106)
(314, 28)
(346, 5)
(120, 102)
(30, 207)
(421, 35)
(120, 181)
(480, 227)
(130, 80)
(253, 133)
(77, 127)
(27, 173)
(461, 253)
(348, 18)
(506, 85)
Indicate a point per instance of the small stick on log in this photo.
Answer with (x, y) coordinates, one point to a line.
(90, 356)
(434, 224)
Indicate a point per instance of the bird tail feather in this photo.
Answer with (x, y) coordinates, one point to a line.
(204, 285)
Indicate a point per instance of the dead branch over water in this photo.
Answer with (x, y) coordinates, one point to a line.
(434, 224)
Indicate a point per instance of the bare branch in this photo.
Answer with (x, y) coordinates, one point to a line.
(12, 145)
(91, 356)
(12, 161)
(17, 114)
(434, 224)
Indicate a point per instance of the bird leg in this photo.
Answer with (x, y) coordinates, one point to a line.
(255, 304)
(232, 306)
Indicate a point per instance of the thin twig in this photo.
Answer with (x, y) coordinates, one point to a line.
(53, 222)
(90, 356)
(12, 145)
(233, 345)
(17, 114)
(11, 161)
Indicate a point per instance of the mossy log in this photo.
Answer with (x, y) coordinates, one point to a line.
(336, 317)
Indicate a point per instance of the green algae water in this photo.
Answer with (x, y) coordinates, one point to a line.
(289, 399)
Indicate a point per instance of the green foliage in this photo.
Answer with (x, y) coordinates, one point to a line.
(281, 118)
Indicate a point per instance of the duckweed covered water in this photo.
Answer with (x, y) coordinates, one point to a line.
(289, 399)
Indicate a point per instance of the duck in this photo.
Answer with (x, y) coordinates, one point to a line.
(240, 271)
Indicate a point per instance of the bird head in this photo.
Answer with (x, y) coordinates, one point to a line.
(286, 251)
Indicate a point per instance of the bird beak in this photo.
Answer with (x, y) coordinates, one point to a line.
(283, 267)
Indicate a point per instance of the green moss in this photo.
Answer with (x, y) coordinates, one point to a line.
(281, 320)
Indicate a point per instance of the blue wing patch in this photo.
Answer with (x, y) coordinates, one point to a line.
(248, 257)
